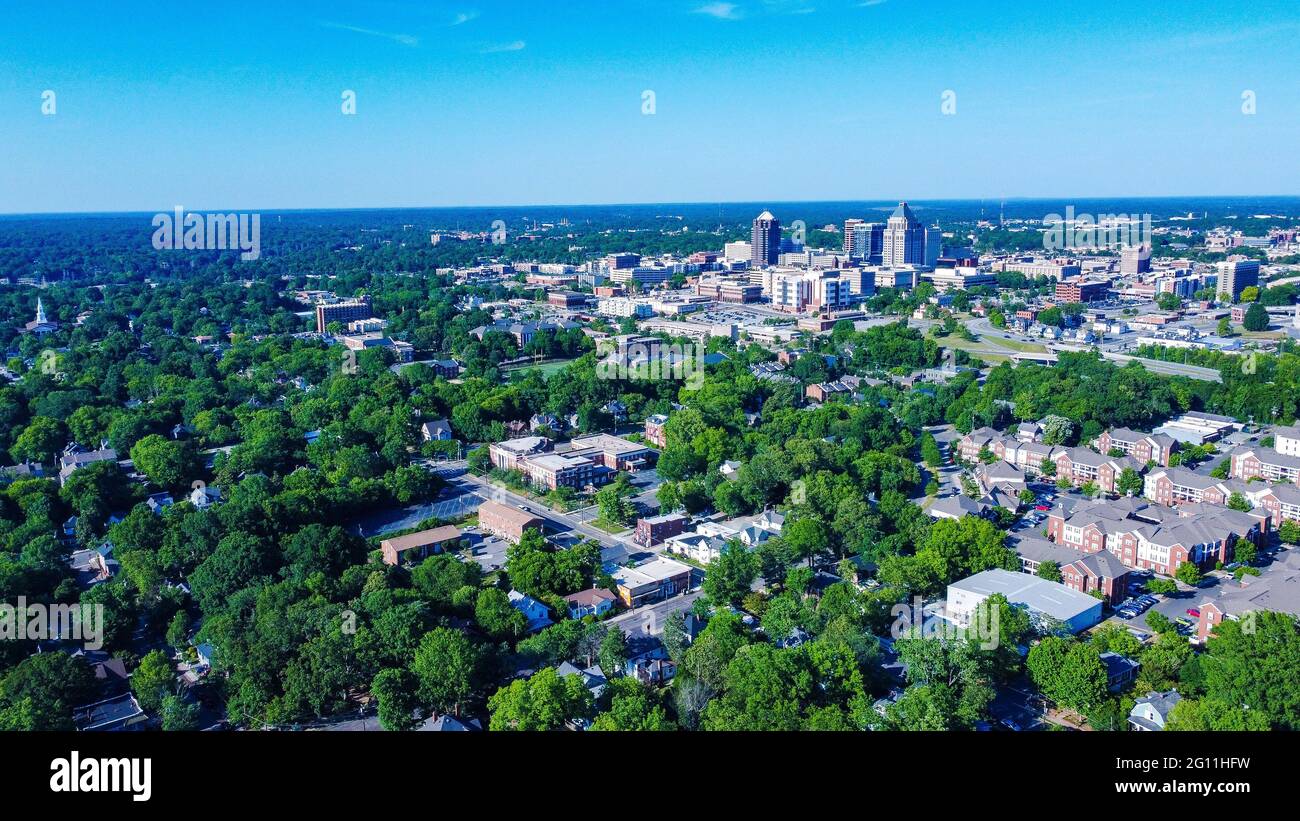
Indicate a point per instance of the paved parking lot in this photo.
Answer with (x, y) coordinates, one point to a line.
(488, 551)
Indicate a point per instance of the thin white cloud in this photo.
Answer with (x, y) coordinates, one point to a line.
(464, 17)
(721, 11)
(396, 37)
(1229, 37)
(866, 4)
(502, 48)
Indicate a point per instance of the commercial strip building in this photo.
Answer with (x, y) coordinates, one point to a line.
(655, 580)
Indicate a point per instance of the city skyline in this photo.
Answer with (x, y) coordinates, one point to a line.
(483, 104)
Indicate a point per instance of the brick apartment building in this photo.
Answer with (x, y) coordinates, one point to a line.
(1082, 572)
(1144, 447)
(657, 529)
(1282, 501)
(1142, 535)
(507, 522)
(1083, 466)
(416, 547)
(1175, 486)
(1264, 463)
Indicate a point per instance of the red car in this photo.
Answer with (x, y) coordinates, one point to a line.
(1043, 507)
(1193, 612)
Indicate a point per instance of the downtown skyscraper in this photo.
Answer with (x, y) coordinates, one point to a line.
(765, 240)
(904, 238)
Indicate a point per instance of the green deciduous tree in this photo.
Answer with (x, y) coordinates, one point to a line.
(446, 667)
(153, 679)
(543, 702)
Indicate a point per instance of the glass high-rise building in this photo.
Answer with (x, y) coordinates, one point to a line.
(765, 241)
(868, 243)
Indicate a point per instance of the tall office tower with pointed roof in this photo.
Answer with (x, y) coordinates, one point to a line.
(904, 238)
(765, 241)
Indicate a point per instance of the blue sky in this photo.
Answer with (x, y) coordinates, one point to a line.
(237, 104)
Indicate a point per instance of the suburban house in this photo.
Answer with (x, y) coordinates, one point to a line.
(111, 714)
(652, 667)
(71, 462)
(656, 430)
(158, 502)
(750, 531)
(507, 522)
(204, 497)
(593, 678)
(538, 614)
(416, 547)
(957, 506)
(595, 601)
(1151, 712)
(1120, 671)
(439, 430)
(548, 421)
(93, 566)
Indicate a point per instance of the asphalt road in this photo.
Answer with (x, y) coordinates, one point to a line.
(650, 619)
(613, 548)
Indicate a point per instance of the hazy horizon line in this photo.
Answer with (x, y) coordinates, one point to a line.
(647, 204)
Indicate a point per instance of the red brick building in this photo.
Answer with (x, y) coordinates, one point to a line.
(507, 522)
(1144, 447)
(656, 529)
(416, 547)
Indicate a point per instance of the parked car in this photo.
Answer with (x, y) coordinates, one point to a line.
(1194, 612)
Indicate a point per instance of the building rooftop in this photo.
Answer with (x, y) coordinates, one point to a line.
(652, 572)
(1049, 598)
(507, 514)
(425, 537)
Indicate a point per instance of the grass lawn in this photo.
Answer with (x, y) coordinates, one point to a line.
(1013, 344)
(1272, 335)
(546, 369)
(609, 527)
